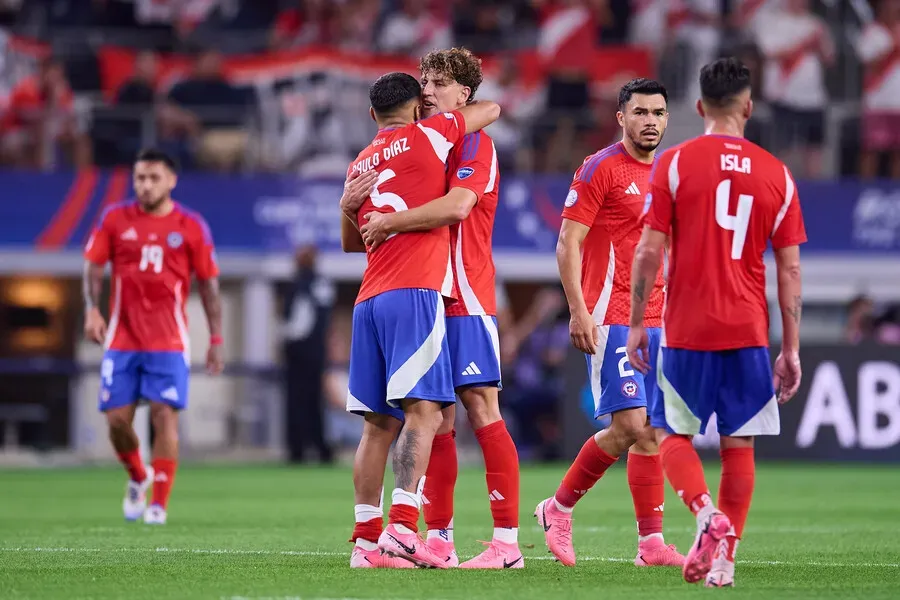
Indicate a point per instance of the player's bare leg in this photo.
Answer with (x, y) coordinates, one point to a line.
(127, 446)
(648, 492)
(165, 460)
(411, 455)
(735, 495)
(501, 461)
(440, 481)
(684, 471)
(597, 455)
(379, 432)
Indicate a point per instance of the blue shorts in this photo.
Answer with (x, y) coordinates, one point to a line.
(736, 385)
(614, 384)
(474, 344)
(399, 350)
(127, 377)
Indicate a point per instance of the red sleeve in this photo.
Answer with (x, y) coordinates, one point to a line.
(475, 161)
(450, 125)
(659, 205)
(789, 229)
(99, 246)
(202, 250)
(587, 192)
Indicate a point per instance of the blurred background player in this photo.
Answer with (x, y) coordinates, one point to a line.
(722, 199)
(450, 79)
(400, 369)
(602, 214)
(154, 245)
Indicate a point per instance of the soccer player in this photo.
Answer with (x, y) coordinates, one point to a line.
(400, 368)
(721, 199)
(154, 245)
(450, 79)
(600, 230)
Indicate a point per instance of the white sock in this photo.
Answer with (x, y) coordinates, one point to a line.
(565, 509)
(705, 513)
(644, 538)
(367, 512)
(444, 534)
(507, 535)
(403, 529)
(366, 544)
(401, 496)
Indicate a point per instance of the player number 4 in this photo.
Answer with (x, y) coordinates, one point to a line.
(738, 222)
(151, 257)
(624, 371)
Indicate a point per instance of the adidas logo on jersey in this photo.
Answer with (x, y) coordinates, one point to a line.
(170, 393)
(472, 369)
(633, 189)
(130, 234)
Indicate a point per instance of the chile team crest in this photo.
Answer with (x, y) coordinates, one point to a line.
(630, 389)
(174, 240)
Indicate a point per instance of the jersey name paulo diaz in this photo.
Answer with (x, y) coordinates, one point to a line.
(152, 259)
(723, 199)
(607, 195)
(411, 165)
(473, 166)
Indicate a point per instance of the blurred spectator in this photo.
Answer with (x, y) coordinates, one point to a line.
(887, 326)
(860, 320)
(414, 30)
(521, 106)
(307, 23)
(9, 11)
(139, 92)
(879, 50)
(307, 313)
(482, 26)
(343, 429)
(357, 24)
(797, 47)
(698, 26)
(40, 121)
(540, 342)
(207, 106)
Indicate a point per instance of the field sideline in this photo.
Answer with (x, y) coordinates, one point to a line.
(275, 532)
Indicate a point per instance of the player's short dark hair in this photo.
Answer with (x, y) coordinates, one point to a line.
(157, 156)
(647, 87)
(393, 90)
(722, 80)
(459, 64)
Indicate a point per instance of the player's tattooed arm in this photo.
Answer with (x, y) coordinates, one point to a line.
(790, 298)
(212, 304)
(647, 262)
(92, 287)
(92, 284)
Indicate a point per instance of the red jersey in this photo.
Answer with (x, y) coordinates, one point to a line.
(607, 195)
(723, 199)
(473, 165)
(411, 164)
(152, 261)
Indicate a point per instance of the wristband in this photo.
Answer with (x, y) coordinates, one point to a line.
(216, 340)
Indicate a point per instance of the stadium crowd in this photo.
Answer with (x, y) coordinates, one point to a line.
(813, 62)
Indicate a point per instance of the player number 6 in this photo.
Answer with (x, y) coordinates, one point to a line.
(738, 222)
(624, 371)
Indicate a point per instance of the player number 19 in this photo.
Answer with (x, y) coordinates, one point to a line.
(738, 222)
(151, 257)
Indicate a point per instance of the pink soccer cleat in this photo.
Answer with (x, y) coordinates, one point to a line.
(409, 547)
(722, 572)
(374, 559)
(557, 531)
(445, 549)
(497, 556)
(654, 552)
(699, 560)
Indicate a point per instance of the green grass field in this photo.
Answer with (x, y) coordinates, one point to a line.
(263, 532)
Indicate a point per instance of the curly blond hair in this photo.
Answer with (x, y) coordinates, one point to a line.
(459, 64)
